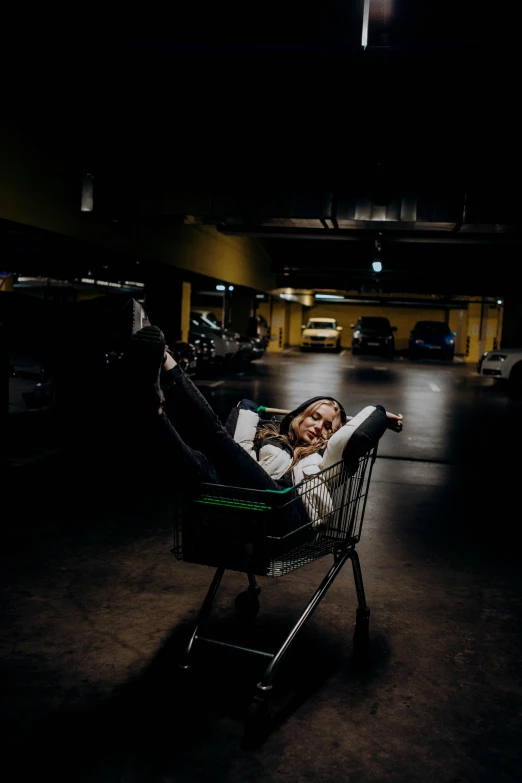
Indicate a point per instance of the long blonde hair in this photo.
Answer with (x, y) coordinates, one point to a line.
(269, 430)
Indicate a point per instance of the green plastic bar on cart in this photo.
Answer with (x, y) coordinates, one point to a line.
(264, 409)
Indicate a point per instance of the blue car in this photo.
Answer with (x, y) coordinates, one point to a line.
(433, 339)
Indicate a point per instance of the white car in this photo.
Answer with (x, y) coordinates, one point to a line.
(321, 333)
(504, 363)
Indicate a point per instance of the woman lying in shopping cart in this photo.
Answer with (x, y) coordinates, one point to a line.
(245, 452)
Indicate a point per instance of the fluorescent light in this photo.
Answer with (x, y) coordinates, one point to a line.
(377, 266)
(328, 296)
(220, 288)
(134, 284)
(87, 193)
(366, 15)
(230, 287)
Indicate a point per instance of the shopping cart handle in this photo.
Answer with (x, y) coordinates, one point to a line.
(263, 409)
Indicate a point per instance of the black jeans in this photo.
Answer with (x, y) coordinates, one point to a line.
(210, 454)
(187, 445)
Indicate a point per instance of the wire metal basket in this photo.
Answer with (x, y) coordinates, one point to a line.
(271, 532)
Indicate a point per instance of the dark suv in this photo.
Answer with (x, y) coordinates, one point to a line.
(373, 335)
(431, 338)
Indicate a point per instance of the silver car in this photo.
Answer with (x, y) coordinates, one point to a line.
(226, 343)
(502, 364)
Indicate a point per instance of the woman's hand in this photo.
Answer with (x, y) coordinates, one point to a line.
(394, 421)
(169, 362)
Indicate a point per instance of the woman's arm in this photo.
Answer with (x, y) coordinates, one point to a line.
(242, 425)
(360, 434)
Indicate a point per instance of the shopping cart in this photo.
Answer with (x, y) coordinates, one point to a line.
(272, 533)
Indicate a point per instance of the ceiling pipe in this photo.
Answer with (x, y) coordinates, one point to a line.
(364, 235)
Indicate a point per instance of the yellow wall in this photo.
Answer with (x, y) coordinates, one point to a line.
(478, 326)
(238, 261)
(403, 318)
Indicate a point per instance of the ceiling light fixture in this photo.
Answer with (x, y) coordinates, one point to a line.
(87, 204)
(365, 19)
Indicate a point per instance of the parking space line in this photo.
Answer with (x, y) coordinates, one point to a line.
(434, 387)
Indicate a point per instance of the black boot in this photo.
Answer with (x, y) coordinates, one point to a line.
(142, 363)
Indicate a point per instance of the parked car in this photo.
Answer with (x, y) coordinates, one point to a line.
(30, 387)
(205, 349)
(251, 349)
(321, 333)
(226, 342)
(245, 348)
(431, 338)
(373, 335)
(503, 364)
(186, 355)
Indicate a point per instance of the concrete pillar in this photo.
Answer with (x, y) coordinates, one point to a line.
(241, 309)
(294, 322)
(458, 323)
(186, 290)
(472, 350)
(497, 340)
(6, 281)
(277, 326)
(263, 308)
(491, 327)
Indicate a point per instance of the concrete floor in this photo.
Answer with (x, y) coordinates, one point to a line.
(95, 609)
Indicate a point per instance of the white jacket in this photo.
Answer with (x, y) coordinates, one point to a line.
(276, 460)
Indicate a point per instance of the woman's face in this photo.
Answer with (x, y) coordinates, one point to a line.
(317, 424)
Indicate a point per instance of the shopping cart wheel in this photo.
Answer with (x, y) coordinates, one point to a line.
(256, 725)
(361, 637)
(247, 605)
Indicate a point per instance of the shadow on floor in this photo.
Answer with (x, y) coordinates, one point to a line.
(166, 720)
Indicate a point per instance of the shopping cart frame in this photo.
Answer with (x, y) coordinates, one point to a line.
(272, 533)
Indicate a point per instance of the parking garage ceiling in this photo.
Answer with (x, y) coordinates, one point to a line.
(289, 130)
